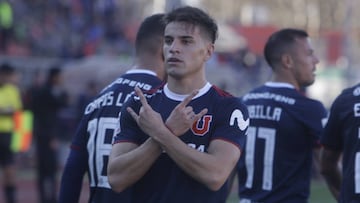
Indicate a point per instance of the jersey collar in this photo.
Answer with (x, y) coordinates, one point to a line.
(181, 97)
(279, 84)
(146, 71)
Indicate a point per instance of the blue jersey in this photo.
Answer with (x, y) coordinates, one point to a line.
(342, 133)
(284, 127)
(166, 181)
(92, 143)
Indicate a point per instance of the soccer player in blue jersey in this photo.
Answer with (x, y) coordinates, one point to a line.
(180, 142)
(285, 125)
(92, 142)
(341, 140)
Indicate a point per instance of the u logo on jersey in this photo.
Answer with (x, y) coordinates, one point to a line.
(202, 126)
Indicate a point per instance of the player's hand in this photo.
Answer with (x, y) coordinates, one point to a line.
(148, 119)
(182, 116)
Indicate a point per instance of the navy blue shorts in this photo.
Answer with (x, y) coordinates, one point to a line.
(6, 154)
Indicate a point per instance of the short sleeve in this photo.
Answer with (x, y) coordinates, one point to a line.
(232, 121)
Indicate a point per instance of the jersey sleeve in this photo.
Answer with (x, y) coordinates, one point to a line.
(313, 115)
(232, 121)
(317, 122)
(332, 133)
(72, 177)
(80, 138)
(75, 167)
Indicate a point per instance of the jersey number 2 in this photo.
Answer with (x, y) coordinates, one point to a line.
(268, 134)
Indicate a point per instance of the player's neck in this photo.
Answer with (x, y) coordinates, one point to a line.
(185, 86)
(151, 64)
(285, 79)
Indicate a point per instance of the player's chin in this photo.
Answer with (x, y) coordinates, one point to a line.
(174, 71)
(309, 82)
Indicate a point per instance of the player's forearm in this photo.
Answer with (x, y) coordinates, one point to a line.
(127, 167)
(70, 188)
(72, 177)
(333, 180)
(332, 176)
(209, 169)
(329, 169)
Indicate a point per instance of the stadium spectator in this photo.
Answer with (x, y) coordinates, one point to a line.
(47, 102)
(6, 24)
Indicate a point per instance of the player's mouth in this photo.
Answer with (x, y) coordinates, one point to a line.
(173, 60)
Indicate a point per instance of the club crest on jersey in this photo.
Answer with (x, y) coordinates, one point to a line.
(239, 117)
(202, 126)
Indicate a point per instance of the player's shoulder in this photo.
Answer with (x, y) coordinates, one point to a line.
(221, 93)
(225, 99)
(272, 93)
(347, 96)
(312, 102)
(151, 94)
(350, 92)
(145, 79)
(222, 96)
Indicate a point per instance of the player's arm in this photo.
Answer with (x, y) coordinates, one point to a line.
(212, 168)
(72, 177)
(75, 167)
(230, 182)
(329, 160)
(316, 159)
(128, 162)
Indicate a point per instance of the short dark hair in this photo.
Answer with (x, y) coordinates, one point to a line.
(53, 72)
(150, 34)
(194, 16)
(280, 42)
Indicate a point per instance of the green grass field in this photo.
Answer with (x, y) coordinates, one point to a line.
(319, 194)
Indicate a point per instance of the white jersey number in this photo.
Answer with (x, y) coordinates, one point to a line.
(268, 134)
(99, 147)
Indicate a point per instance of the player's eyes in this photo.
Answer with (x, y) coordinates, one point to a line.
(186, 41)
(168, 40)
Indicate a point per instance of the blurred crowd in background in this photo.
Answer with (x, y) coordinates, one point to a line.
(66, 29)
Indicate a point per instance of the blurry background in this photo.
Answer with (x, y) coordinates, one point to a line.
(93, 41)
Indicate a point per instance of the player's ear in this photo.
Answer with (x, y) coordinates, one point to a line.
(209, 51)
(287, 61)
